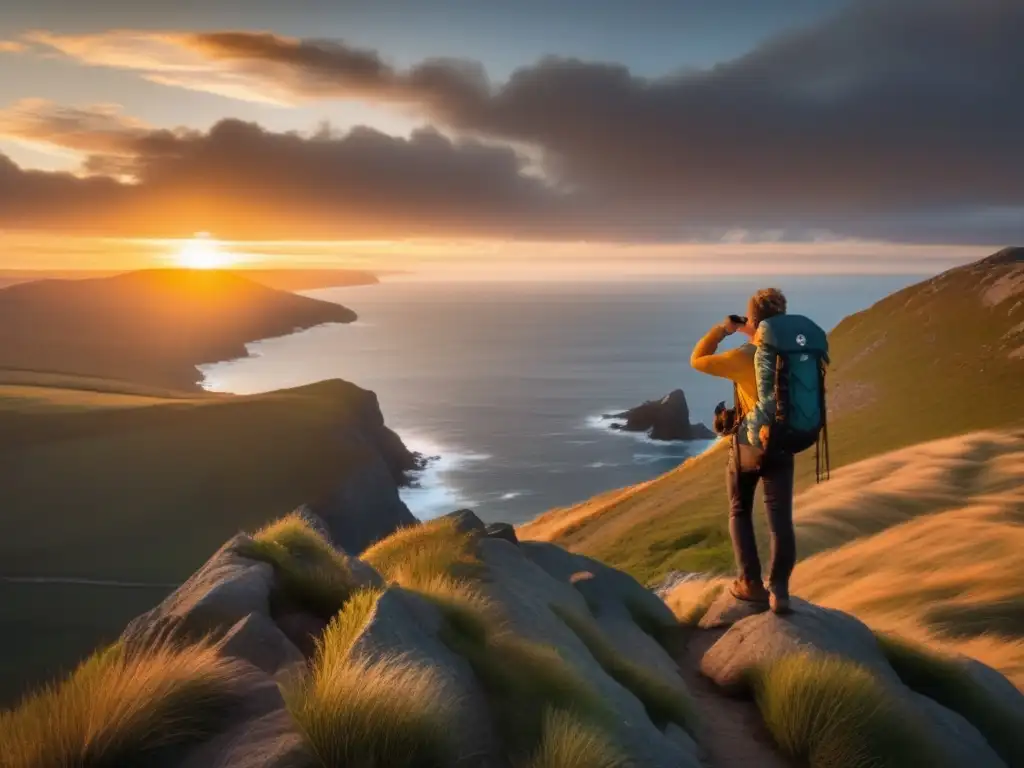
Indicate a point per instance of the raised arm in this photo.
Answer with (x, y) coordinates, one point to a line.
(732, 365)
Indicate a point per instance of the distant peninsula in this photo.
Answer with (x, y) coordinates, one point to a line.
(154, 327)
(284, 279)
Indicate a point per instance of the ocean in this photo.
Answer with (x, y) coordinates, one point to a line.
(507, 381)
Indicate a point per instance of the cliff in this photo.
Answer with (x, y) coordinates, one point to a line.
(453, 644)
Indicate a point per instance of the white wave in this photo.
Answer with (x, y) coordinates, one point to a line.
(512, 495)
(434, 493)
(603, 464)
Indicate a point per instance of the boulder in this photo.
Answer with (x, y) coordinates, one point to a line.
(502, 531)
(261, 734)
(765, 637)
(301, 629)
(725, 610)
(226, 589)
(259, 641)
(525, 592)
(665, 419)
(466, 521)
(404, 623)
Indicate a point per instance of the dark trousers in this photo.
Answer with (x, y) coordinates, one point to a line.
(776, 473)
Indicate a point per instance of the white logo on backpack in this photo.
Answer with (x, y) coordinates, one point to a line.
(801, 340)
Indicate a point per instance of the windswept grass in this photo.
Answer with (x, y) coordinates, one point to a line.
(312, 573)
(569, 742)
(828, 712)
(523, 680)
(415, 555)
(948, 683)
(118, 709)
(664, 703)
(690, 600)
(391, 713)
(346, 626)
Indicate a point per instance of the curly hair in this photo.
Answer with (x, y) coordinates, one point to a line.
(767, 302)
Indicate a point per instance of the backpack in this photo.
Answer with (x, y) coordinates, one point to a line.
(793, 351)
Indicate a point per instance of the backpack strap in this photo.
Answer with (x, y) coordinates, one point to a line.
(822, 445)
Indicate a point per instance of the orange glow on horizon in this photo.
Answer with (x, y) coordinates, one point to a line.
(203, 252)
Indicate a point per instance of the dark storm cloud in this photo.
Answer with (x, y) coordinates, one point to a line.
(901, 117)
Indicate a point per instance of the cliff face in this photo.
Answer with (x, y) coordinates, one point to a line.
(364, 504)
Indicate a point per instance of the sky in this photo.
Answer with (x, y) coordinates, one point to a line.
(649, 137)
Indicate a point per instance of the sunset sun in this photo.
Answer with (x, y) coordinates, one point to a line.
(202, 252)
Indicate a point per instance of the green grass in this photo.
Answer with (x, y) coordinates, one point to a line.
(568, 742)
(311, 572)
(664, 704)
(119, 710)
(146, 495)
(419, 554)
(827, 712)
(948, 683)
(390, 713)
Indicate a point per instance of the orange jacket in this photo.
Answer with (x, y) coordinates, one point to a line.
(737, 365)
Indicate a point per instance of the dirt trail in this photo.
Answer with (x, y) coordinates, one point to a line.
(734, 736)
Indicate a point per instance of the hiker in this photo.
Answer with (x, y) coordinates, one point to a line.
(764, 436)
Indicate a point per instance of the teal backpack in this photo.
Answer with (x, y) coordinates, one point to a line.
(793, 353)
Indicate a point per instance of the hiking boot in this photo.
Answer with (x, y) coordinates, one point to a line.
(750, 591)
(778, 600)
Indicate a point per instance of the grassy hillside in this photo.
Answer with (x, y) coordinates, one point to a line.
(150, 327)
(937, 359)
(139, 487)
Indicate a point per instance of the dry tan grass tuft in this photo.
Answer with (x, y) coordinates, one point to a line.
(119, 709)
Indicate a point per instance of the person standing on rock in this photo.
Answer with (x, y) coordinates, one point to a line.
(748, 461)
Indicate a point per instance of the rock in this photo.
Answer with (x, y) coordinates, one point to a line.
(466, 521)
(364, 506)
(604, 585)
(259, 641)
(812, 629)
(502, 531)
(364, 574)
(766, 637)
(227, 589)
(726, 610)
(261, 735)
(525, 592)
(997, 686)
(665, 419)
(302, 629)
(404, 623)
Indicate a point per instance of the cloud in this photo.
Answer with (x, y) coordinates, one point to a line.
(243, 182)
(895, 118)
(12, 46)
(99, 129)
